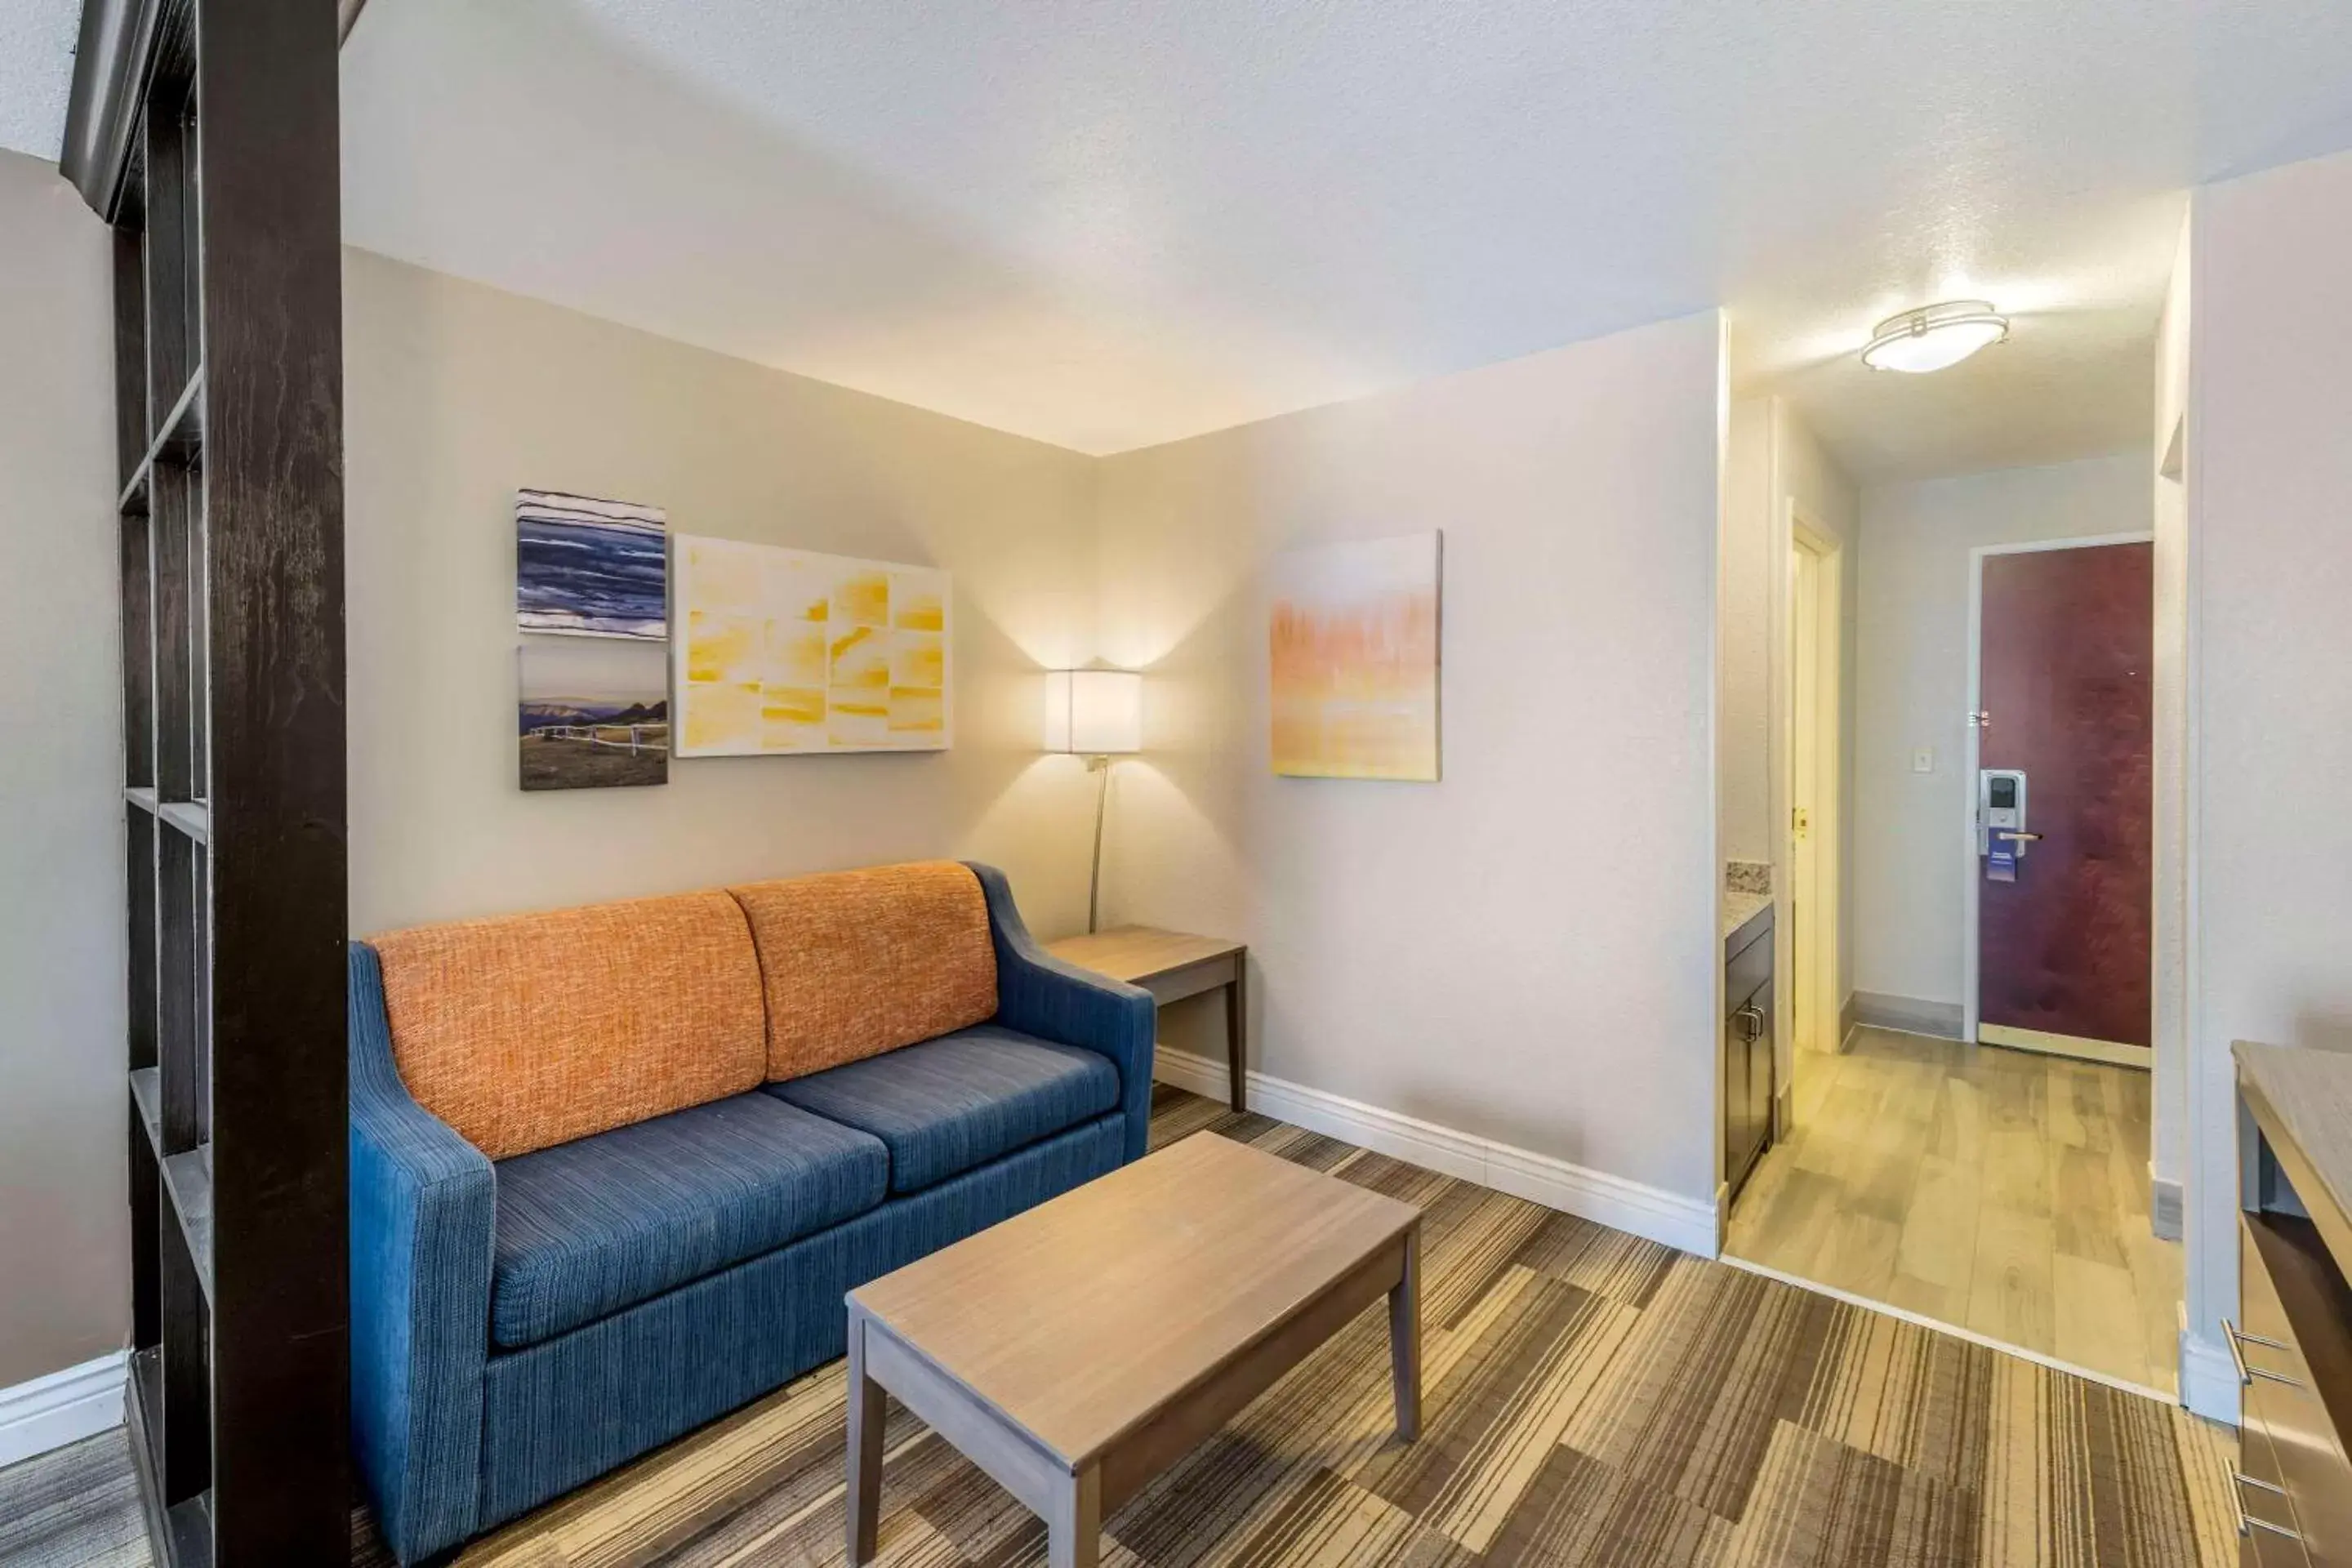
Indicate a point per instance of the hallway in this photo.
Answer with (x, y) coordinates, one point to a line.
(1997, 1191)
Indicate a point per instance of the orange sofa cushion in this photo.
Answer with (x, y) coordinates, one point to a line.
(860, 962)
(531, 1030)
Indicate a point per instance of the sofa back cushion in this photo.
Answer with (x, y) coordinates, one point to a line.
(527, 1031)
(860, 962)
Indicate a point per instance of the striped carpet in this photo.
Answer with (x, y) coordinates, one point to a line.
(75, 1507)
(1589, 1398)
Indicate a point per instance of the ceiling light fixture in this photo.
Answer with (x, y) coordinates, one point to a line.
(1934, 336)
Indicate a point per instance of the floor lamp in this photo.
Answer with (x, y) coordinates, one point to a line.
(1097, 714)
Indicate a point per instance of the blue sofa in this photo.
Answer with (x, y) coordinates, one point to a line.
(523, 1325)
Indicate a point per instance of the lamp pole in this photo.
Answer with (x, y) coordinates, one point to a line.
(1100, 765)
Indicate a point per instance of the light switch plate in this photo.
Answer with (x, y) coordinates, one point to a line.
(1922, 760)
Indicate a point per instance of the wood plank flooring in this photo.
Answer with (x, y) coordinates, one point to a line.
(1997, 1191)
(1589, 1398)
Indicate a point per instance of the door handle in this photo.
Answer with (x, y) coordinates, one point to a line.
(2248, 1523)
(1751, 1022)
(2238, 1339)
(2016, 832)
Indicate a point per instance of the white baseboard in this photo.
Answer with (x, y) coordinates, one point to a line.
(1909, 1014)
(63, 1408)
(1688, 1224)
(2209, 1378)
(2164, 1199)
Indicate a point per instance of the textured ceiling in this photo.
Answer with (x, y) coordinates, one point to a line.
(36, 49)
(1112, 224)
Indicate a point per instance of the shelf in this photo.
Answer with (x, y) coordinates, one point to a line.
(190, 1527)
(193, 817)
(226, 261)
(180, 439)
(147, 1383)
(143, 1414)
(189, 1179)
(147, 1091)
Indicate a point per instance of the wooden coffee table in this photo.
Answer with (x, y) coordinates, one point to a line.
(1075, 1352)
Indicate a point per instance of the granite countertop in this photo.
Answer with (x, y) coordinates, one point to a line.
(2310, 1092)
(1741, 906)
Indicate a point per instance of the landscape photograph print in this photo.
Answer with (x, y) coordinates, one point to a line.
(593, 715)
(585, 567)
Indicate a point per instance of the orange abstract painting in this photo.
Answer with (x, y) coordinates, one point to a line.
(1354, 638)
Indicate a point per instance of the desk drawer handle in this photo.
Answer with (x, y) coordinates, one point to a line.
(2247, 1522)
(2246, 1374)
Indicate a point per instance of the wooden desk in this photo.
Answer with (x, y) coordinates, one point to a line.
(1040, 1348)
(1173, 965)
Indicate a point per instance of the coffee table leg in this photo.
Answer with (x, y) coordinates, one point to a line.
(863, 1504)
(1404, 1339)
(1073, 1529)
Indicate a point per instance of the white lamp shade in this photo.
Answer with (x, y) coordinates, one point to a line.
(1094, 712)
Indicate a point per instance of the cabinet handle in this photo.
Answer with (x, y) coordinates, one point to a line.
(1751, 1022)
(2246, 1374)
(2247, 1524)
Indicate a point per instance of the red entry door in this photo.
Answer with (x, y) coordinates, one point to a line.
(2066, 698)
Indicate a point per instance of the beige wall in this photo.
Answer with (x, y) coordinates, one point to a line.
(2170, 512)
(2271, 744)
(1808, 478)
(1913, 626)
(1523, 952)
(1744, 615)
(1772, 462)
(1773, 467)
(455, 394)
(64, 1225)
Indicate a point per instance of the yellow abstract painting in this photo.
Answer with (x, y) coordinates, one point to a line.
(788, 651)
(1353, 636)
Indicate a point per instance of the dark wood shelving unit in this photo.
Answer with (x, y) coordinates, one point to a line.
(205, 132)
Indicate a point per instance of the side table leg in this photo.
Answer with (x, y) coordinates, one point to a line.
(1404, 1339)
(1236, 1034)
(1074, 1530)
(863, 1503)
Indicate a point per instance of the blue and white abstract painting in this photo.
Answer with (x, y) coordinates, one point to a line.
(591, 568)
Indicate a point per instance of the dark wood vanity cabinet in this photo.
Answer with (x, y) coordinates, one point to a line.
(1746, 1088)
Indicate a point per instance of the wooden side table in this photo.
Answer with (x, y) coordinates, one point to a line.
(1173, 965)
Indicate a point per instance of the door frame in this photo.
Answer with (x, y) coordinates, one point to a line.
(1968, 840)
(1826, 830)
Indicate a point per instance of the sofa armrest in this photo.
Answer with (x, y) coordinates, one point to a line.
(1053, 999)
(423, 1205)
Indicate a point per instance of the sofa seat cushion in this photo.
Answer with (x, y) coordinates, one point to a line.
(947, 1105)
(588, 1227)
